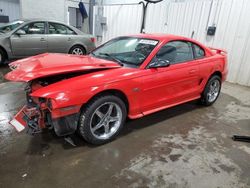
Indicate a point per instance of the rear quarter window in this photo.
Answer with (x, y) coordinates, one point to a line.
(198, 51)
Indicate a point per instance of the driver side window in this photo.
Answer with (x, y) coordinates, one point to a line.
(34, 28)
(176, 52)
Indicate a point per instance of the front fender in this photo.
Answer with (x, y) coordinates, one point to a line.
(66, 102)
(65, 98)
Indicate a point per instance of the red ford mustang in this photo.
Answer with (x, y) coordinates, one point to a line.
(128, 76)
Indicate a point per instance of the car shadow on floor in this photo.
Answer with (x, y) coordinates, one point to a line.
(42, 141)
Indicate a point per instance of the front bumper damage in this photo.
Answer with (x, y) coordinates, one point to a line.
(39, 113)
(34, 120)
(29, 119)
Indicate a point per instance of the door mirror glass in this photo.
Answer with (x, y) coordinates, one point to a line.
(21, 32)
(159, 63)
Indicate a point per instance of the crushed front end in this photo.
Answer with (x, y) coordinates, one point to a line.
(39, 114)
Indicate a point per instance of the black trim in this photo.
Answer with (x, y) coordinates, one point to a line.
(194, 52)
(65, 125)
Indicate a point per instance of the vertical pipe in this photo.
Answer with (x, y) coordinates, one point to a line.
(209, 14)
(91, 16)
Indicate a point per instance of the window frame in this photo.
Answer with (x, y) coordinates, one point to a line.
(194, 52)
(45, 32)
(48, 24)
(171, 64)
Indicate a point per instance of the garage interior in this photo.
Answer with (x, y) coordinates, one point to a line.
(184, 146)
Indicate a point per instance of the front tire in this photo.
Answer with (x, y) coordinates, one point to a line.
(2, 57)
(102, 119)
(211, 91)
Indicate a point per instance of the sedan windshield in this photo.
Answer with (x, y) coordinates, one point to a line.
(10, 26)
(126, 50)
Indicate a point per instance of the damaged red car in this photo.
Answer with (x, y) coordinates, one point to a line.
(130, 76)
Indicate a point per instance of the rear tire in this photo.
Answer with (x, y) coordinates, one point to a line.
(77, 50)
(2, 57)
(211, 91)
(102, 119)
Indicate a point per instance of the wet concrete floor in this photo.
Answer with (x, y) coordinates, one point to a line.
(185, 146)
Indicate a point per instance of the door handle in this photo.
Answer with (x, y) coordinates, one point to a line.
(69, 39)
(192, 71)
(42, 39)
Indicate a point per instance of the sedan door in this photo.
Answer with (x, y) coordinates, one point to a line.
(29, 40)
(60, 38)
(177, 83)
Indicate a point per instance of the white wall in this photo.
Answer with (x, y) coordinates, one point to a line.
(10, 8)
(182, 17)
(48, 9)
(121, 20)
(119, 1)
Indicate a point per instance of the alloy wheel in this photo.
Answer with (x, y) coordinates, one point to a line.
(214, 90)
(77, 51)
(106, 120)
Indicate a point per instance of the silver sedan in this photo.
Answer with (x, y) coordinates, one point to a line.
(20, 39)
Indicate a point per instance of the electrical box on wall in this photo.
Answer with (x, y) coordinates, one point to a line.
(211, 30)
(4, 19)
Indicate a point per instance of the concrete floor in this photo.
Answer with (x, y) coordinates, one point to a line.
(185, 146)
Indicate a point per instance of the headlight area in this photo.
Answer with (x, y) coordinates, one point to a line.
(43, 112)
(63, 120)
(34, 113)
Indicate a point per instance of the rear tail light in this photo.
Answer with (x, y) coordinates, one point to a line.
(93, 39)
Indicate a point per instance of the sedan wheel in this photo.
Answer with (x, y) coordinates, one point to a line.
(2, 57)
(77, 50)
(102, 119)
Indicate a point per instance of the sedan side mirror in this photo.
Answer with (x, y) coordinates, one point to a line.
(20, 32)
(159, 63)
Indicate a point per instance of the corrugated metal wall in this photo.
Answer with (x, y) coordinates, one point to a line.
(184, 17)
(121, 20)
(10, 8)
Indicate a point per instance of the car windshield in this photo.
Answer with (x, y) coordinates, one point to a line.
(126, 50)
(10, 26)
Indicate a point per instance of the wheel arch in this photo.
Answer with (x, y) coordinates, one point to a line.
(217, 73)
(114, 92)
(5, 52)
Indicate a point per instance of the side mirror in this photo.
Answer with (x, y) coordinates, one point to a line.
(20, 32)
(159, 63)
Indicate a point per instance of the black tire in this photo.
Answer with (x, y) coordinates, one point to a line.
(84, 127)
(2, 57)
(205, 95)
(77, 47)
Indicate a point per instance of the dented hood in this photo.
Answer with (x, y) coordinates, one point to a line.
(45, 65)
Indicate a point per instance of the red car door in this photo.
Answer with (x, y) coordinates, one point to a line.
(167, 86)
